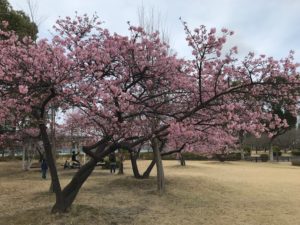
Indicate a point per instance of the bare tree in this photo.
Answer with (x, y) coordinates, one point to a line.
(152, 21)
(33, 8)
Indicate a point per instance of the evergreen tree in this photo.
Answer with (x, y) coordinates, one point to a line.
(18, 21)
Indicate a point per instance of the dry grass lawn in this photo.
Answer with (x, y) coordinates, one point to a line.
(231, 193)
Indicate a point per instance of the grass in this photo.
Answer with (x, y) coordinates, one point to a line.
(231, 193)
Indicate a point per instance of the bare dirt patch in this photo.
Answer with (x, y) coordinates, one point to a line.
(237, 193)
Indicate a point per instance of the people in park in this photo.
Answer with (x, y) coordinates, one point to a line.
(74, 155)
(66, 165)
(44, 168)
(112, 162)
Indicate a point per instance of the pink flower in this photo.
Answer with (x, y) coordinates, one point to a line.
(213, 30)
(23, 89)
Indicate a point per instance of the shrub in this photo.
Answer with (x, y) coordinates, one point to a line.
(264, 157)
(186, 156)
(247, 150)
(276, 151)
(295, 157)
(296, 152)
(193, 156)
(221, 157)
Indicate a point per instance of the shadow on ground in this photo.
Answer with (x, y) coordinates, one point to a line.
(78, 215)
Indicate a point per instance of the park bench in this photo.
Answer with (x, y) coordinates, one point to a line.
(258, 158)
(282, 158)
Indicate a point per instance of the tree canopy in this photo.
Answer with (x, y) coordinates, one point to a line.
(130, 91)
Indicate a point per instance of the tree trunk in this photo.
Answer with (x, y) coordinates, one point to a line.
(12, 152)
(182, 160)
(135, 169)
(70, 192)
(134, 166)
(3, 150)
(53, 171)
(53, 142)
(25, 159)
(271, 151)
(65, 198)
(159, 166)
(121, 168)
(146, 174)
(121, 159)
(242, 154)
(241, 140)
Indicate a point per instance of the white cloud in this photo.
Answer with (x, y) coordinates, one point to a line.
(269, 27)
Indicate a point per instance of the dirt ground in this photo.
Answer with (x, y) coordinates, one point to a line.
(231, 193)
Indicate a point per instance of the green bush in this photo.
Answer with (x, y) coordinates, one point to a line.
(276, 150)
(221, 157)
(232, 156)
(264, 157)
(186, 156)
(296, 152)
(193, 156)
(247, 150)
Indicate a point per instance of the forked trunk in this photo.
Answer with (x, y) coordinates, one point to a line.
(135, 169)
(146, 174)
(70, 192)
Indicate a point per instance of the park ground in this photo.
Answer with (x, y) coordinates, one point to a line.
(203, 192)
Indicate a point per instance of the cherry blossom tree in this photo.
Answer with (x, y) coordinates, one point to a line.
(131, 91)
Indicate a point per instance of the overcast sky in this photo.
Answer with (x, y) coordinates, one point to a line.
(266, 27)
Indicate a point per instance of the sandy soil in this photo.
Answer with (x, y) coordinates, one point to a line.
(231, 193)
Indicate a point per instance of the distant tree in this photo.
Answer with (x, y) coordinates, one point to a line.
(281, 112)
(17, 20)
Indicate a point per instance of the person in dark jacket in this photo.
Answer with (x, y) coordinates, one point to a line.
(74, 155)
(44, 168)
(112, 162)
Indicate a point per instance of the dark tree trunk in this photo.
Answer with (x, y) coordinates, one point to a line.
(41, 156)
(271, 156)
(121, 168)
(182, 160)
(52, 168)
(241, 140)
(12, 153)
(135, 169)
(146, 174)
(71, 190)
(134, 165)
(159, 166)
